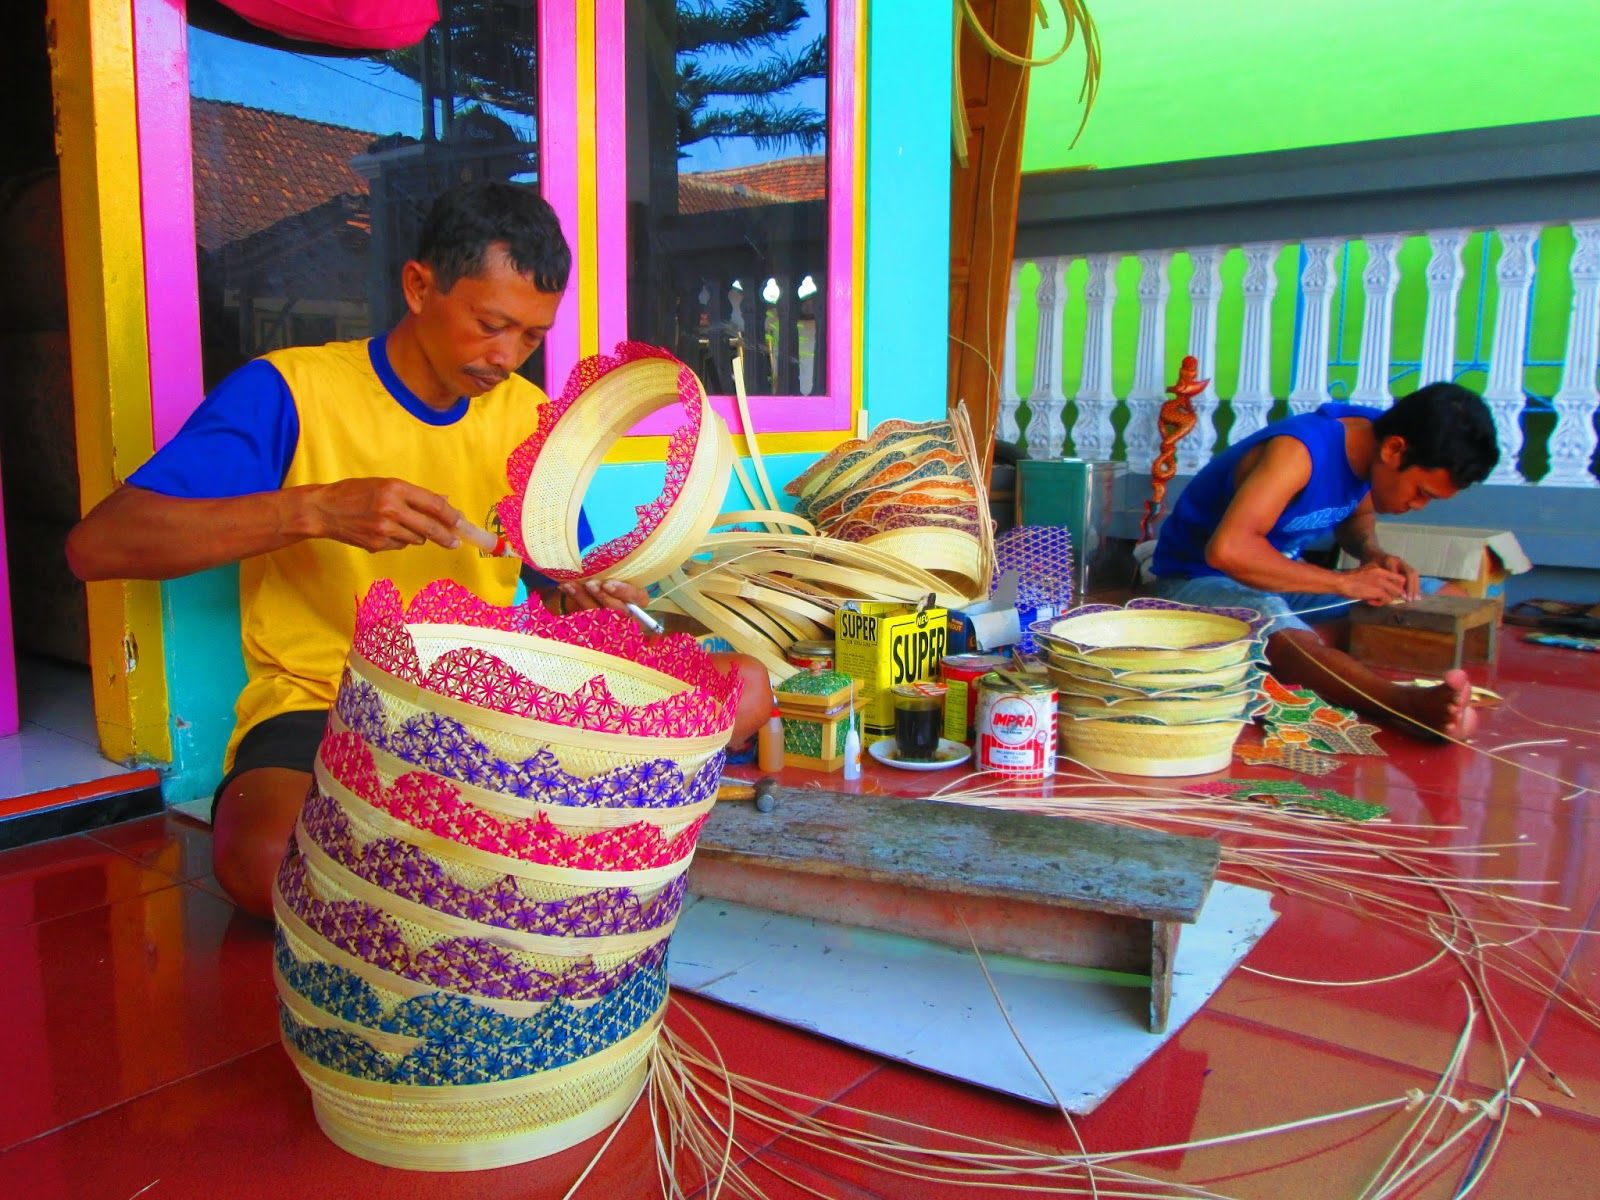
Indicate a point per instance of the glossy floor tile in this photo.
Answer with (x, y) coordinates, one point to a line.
(112, 1002)
(139, 1037)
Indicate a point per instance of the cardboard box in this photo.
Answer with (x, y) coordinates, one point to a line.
(880, 644)
(994, 624)
(1478, 559)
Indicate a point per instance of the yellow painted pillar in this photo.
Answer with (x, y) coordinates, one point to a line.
(92, 76)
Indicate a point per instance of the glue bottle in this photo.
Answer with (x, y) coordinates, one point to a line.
(769, 744)
(852, 741)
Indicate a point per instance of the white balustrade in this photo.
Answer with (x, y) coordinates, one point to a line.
(1445, 273)
(1046, 433)
(1092, 433)
(1572, 443)
(1205, 297)
(1317, 283)
(1504, 393)
(1379, 282)
(1252, 403)
(1142, 437)
(1006, 427)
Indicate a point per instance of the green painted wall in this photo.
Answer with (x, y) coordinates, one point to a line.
(1185, 80)
(907, 285)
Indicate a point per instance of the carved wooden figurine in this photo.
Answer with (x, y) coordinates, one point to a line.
(1176, 419)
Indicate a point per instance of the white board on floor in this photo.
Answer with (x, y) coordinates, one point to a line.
(929, 1006)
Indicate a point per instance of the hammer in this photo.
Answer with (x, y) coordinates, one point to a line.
(761, 791)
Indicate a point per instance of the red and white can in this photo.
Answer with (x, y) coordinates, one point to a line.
(1016, 726)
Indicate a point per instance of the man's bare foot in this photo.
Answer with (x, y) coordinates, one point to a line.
(1446, 709)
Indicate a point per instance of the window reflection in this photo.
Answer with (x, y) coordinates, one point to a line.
(313, 169)
(728, 185)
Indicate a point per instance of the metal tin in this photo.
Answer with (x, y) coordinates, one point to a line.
(961, 673)
(1016, 726)
(811, 656)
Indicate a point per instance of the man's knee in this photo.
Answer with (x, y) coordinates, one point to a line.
(255, 815)
(755, 694)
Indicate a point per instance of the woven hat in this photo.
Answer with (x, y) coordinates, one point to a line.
(605, 397)
(473, 914)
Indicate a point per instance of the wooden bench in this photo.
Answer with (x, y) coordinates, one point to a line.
(1436, 633)
(1052, 889)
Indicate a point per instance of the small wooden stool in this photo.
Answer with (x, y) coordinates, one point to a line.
(1436, 633)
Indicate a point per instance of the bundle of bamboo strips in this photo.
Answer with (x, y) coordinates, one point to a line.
(765, 578)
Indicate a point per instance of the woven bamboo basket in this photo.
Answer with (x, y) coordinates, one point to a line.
(605, 397)
(1151, 682)
(1166, 710)
(1151, 635)
(474, 912)
(1147, 748)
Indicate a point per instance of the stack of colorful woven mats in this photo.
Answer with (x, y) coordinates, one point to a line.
(473, 915)
(1155, 688)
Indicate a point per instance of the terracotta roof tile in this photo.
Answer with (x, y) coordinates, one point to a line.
(254, 168)
(782, 181)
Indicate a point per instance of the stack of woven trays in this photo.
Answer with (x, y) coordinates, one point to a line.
(1154, 688)
(473, 915)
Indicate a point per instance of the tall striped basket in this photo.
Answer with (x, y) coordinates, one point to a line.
(473, 914)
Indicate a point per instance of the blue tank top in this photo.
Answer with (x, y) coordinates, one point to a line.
(1332, 494)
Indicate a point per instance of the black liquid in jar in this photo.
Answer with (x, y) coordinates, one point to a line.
(918, 722)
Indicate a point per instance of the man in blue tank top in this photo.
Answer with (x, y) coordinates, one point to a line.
(1237, 533)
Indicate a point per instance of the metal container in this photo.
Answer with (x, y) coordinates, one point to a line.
(961, 673)
(1016, 725)
(1081, 496)
(811, 656)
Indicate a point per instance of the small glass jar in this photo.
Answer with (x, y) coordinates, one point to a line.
(918, 721)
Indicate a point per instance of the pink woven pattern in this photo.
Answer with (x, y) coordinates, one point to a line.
(705, 708)
(680, 452)
(435, 805)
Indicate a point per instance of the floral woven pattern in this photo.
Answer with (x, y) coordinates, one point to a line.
(680, 450)
(473, 966)
(405, 871)
(463, 1042)
(443, 746)
(427, 802)
(473, 676)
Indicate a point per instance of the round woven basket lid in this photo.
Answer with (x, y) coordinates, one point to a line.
(550, 473)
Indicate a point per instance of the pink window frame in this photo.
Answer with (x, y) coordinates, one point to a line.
(829, 411)
(166, 180)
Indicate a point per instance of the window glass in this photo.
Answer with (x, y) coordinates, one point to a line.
(727, 126)
(314, 168)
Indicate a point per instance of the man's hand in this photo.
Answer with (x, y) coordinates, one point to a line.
(378, 514)
(1393, 562)
(1373, 583)
(592, 593)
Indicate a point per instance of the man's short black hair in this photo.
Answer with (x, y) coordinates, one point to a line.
(469, 218)
(1444, 425)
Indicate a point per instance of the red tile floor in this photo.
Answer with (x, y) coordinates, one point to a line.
(141, 1056)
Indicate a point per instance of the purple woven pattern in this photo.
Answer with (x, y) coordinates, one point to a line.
(445, 747)
(1041, 555)
(404, 870)
(473, 966)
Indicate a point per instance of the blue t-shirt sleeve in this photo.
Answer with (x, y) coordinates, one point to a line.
(239, 441)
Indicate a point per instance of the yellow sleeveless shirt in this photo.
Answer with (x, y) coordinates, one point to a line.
(297, 605)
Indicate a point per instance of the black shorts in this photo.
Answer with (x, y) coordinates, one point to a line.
(288, 740)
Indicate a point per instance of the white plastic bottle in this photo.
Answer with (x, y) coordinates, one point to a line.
(852, 741)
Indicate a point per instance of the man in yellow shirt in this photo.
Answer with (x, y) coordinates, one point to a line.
(311, 465)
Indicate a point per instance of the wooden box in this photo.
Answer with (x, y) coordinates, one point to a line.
(1434, 634)
(816, 710)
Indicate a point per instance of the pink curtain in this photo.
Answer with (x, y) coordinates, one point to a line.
(352, 24)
